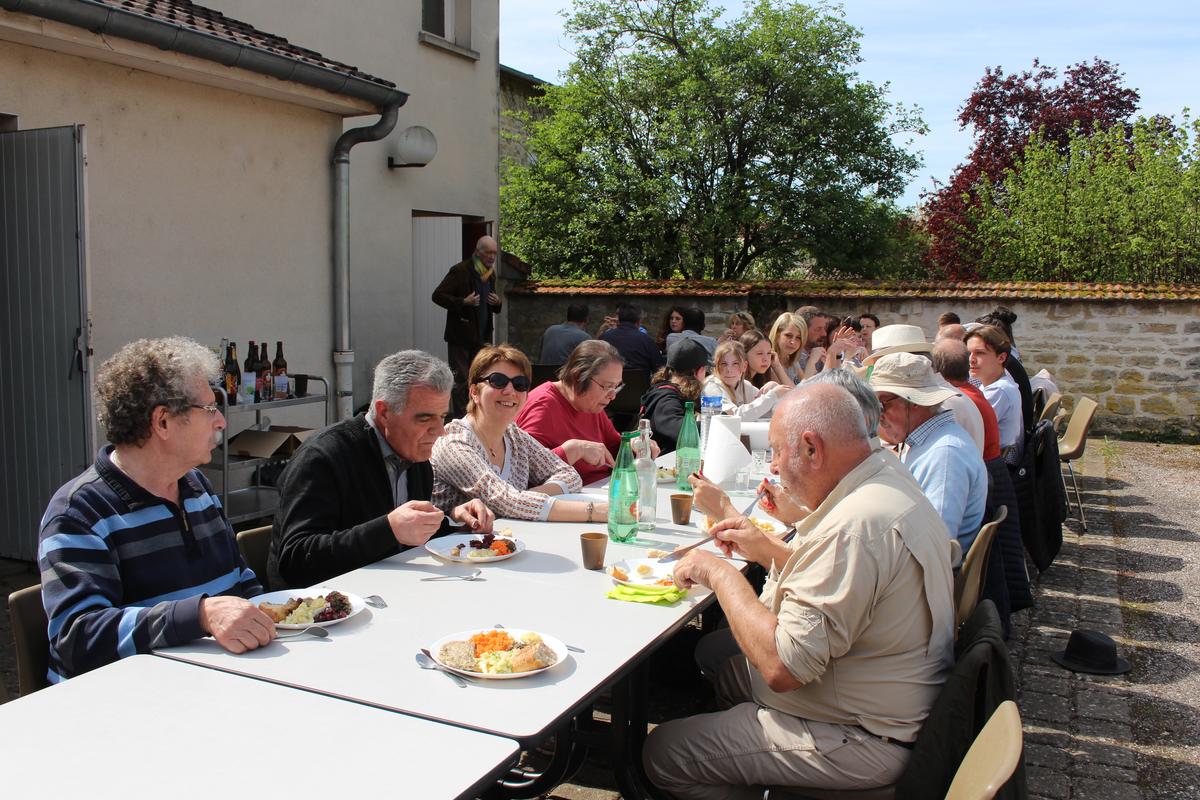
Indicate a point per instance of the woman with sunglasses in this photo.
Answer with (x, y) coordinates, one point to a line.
(485, 455)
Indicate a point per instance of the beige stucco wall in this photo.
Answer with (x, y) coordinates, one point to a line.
(208, 210)
(454, 97)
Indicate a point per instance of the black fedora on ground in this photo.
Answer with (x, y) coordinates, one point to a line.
(1091, 651)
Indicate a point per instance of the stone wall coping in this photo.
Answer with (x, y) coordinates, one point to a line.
(979, 290)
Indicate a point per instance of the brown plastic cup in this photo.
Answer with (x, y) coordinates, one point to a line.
(301, 385)
(594, 544)
(681, 508)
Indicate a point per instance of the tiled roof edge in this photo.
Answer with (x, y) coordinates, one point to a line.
(888, 290)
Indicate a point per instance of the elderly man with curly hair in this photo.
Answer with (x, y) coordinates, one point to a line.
(136, 553)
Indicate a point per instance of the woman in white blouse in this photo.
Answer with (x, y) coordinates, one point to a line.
(988, 349)
(485, 454)
(739, 397)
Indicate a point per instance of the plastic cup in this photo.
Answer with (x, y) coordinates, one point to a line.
(593, 544)
(301, 385)
(681, 509)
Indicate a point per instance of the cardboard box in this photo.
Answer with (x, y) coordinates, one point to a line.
(280, 441)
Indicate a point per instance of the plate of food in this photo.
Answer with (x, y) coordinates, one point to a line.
(767, 525)
(666, 474)
(644, 571)
(498, 653)
(320, 606)
(471, 548)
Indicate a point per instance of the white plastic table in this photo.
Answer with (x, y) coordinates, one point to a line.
(370, 658)
(152, 727)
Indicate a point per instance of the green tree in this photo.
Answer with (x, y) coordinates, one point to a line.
(678, 146)
(1117, 204)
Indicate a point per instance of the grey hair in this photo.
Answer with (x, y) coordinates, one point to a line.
(398, 374)
(146, 374)
(585, 361)
(863, 394)
(827, 410)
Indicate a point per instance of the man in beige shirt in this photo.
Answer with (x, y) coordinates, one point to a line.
(840, 658)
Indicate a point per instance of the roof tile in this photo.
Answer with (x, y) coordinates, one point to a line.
(1028, 290)
(205, 20)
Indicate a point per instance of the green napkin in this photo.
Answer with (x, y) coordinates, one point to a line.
(655, 595)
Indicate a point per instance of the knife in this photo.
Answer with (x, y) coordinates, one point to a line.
(675, 555)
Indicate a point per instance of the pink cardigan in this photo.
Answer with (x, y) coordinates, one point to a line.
(552, 420)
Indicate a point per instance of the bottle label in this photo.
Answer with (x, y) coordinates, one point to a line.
(281, 387)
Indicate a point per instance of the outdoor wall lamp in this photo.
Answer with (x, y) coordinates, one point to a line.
(415, 147)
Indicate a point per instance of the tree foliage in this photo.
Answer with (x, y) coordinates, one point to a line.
(1004, 111)
(1110, 205)
(678, 146)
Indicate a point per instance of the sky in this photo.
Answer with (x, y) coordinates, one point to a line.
(932, 53)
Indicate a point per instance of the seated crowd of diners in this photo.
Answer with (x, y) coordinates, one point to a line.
(890, 448)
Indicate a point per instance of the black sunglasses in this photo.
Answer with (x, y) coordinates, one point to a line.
(498, 380)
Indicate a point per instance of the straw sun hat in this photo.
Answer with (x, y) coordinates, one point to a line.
(911, 377)
(897, 339)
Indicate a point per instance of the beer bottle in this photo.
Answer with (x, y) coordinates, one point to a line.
(279, 373)
(249, 373)
(262, 371)
(233, 375)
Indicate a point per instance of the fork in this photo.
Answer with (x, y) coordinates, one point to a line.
(570, 647)
(320, 633)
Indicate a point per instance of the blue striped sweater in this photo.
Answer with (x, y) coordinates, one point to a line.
(124, 571)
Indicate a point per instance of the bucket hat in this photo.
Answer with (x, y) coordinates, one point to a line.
(1091, 651)
(911, 377)
(897, 339)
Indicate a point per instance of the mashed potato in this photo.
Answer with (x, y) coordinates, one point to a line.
(303, 613)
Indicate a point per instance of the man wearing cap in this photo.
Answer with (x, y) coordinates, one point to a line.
(935, 448)
(680, 381)
(911, 339)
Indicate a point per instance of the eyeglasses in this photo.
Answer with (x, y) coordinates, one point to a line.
(498, 380)
(211, 409)
(613, 390)
(885, 403)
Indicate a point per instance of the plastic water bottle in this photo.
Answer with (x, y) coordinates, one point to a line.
(623, 494)
(687, 449)
(647, 472)
(710, 406)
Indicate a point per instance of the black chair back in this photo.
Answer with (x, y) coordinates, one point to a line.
(543, 373)
(623, 410)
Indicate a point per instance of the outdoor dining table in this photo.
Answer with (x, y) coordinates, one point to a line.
(152, 727)
(370, 658)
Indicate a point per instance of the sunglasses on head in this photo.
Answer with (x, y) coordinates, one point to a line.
(498, 380)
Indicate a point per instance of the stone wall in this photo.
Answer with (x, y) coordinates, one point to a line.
(1135, 350)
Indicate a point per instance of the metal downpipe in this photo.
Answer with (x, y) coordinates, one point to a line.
(343, 354)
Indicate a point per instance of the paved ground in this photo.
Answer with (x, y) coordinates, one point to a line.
(1134, 575)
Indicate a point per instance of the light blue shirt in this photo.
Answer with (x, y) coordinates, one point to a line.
(948, 466)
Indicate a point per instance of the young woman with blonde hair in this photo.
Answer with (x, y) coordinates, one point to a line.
(739, 397)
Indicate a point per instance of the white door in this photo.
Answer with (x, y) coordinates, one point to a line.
(437, 246)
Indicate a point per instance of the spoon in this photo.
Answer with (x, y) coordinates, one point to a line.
(320, 633)
(570, 647)
(473, 576)
(425, 661)
(375, 601)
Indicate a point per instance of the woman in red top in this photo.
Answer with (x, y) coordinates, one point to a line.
(568, 416)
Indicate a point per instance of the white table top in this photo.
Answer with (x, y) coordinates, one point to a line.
(370, 657)
(152, 727)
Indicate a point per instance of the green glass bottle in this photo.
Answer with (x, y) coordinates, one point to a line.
(623, 494)
(687, 449)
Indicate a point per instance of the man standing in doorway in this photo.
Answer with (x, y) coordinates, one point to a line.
(468, 293)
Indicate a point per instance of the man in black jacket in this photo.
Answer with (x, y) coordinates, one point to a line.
(359, 491)
(468, 293)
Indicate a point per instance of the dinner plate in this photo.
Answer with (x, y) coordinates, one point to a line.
(560, 651)
(282, 596)
(657, 571)
(777, 527)
(442, 546)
